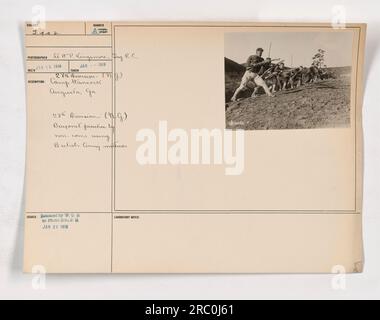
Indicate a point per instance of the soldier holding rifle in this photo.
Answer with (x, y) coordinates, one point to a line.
(255, 68)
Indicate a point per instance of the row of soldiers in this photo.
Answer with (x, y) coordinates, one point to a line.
(264, 73)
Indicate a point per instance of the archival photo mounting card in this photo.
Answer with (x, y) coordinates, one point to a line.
(194, 147)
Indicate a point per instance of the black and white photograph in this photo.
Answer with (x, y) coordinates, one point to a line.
(288, 80)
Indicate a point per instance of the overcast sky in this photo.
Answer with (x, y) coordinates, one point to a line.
(301, 45)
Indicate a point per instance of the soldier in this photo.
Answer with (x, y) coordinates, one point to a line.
(272, 76)
(280, 67)
(295, 79)
(256, 66)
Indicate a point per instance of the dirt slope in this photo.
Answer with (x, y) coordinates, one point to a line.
(324, 104)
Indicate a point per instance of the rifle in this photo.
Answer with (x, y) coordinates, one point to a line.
(280, 61)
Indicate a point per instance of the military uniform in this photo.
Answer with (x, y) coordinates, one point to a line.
(256, 64)
(255, 67)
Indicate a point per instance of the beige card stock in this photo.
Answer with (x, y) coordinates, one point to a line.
(154, 147)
